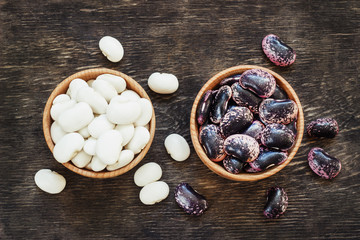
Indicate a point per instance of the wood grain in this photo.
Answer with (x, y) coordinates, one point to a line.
(43, 42)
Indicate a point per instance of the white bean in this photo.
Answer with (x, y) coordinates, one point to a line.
(90, 82)
(108, 147)
(120, 99)
(126, 156)
(61, 98)
(105, 89)
(67, 147)
(96, 164)
(99, 125)
(50, 181)
(97, 102)
(75, 118)
(58, 108)
(111, 48)
(140, 139)
(84, 132)
(123, 112)
(147, 173)
(56, 132)
(81, 159)
(127, 132)
(177, 147)
(117, 82)
(75, 85)
(131, 95)
(90, 146)
(163, 83)
(146, 112)
(154, 192)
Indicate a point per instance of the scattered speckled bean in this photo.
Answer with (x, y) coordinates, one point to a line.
(277, 202)
(323, 164)
(277, 51)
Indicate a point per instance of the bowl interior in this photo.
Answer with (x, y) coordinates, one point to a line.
(194, 130)
(88, 75)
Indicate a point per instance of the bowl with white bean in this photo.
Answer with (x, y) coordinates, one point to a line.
(99, 123)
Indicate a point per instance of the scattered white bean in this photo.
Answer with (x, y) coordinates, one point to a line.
(108, 147)
(75, 85)
(90, 146)
(154, 192)
(100, 125)
(96, 164)
(81, 159)
(117, 82)
(123, 112)
(147, 173)
(177, 147)
(56, 132)
(97, 102)
(76, 118)
(105, 89)
(163, 83)
(131, 95)
(146, 112)
(140, 139)
(61, 98)
(111, 48)
(127, 132)
(50, 181)
(126, 156)
(57, 109)
(67, 147)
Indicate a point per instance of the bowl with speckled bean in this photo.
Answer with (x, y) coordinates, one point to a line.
(216, 164)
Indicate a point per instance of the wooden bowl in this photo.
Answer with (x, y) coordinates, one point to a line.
(88, 75)
(194, 130)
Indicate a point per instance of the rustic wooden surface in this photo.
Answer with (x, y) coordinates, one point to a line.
(43, 42)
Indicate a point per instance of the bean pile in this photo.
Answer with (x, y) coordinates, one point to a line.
(247, 123)
(99, 124)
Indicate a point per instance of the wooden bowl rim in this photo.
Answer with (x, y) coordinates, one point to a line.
(88, 75)
(215, 167)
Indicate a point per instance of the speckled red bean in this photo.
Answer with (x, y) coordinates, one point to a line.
(233, 165)
(258, 81)
(230, 80)
(212, 141)
(220, 103)
(323, 127)
(242, 147)
(255, 130)
(245, 98)
(323, 164)
(190, 200)
(292, 126)
(277, 51)
(279, 93)
(278, 111)
(235, 120)
(266, 159)
(276, 203)
(204, 107)
(278, 137)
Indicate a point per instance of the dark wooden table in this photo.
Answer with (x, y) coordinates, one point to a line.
(43, 42)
